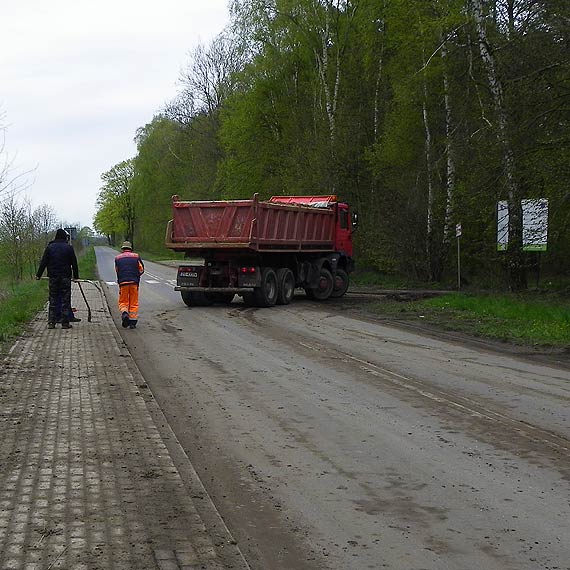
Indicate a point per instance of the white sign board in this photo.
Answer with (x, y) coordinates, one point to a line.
(457, 230)
(534, 222)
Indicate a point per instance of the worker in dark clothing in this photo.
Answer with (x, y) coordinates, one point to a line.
(72, 317)
(129, 268)
(61, 263)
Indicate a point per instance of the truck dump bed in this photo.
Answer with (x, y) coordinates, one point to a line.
(277, 225)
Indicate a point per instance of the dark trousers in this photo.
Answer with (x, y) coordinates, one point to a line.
(59, 299)
(58, 311)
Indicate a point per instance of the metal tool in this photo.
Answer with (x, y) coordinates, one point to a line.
(78, 281)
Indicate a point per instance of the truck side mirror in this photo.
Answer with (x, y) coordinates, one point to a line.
(354, 221)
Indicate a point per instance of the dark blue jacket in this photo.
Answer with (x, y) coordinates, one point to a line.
(59, 259)
(129, 267)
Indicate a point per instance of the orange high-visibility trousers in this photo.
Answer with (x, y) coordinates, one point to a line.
(129, 300)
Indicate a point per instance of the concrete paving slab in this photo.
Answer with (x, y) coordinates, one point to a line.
(91, 477)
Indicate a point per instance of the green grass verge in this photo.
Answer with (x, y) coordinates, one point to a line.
(88, 264)
(161, 257)
(524, 319)
(18, 305)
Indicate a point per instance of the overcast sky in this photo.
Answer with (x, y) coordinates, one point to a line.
(78, 77)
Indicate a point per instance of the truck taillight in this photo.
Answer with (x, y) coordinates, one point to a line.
(247, 269)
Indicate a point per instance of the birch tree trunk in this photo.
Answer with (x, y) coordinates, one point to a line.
(450, 166)
(515, 254)
(377, 94)
(430, 196)
(331, 96)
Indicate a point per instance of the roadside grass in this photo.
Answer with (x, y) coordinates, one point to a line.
(169, 256)
(18, 305)
(88, 264)
(21, 301)
(523, 319)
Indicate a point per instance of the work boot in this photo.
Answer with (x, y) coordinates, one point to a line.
(75, 320)
(51, 325)
(66, 326)
(125, 319)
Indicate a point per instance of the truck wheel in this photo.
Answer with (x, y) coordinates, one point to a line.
(286, 286)
(324, 288)
(340, 283)
(266, 295)
(196, 299)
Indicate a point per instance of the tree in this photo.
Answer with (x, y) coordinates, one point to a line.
(420, 113)
(13, 228)
(115, 214)
(166, 164)
(502, 129)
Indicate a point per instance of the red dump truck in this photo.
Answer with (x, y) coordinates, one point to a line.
(261, 250)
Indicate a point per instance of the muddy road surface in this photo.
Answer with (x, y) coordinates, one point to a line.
(330, 442)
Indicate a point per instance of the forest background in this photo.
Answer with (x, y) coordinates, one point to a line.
(422, 114)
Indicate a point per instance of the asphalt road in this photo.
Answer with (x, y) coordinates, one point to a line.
(331, 442)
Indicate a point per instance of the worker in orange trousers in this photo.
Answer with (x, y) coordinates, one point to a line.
(129, 268)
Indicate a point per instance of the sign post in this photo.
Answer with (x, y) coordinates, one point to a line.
(458, 235)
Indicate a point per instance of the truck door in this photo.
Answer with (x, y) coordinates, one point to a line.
(343, 236)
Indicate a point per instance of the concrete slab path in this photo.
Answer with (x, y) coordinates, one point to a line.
(91, 477)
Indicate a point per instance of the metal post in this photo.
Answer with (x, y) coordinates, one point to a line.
(458, 265)
(458, 233)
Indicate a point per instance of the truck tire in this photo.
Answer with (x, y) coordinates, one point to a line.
(324, 288)
(341, 282)
(266, 294)
(196, 299)
(285, 286)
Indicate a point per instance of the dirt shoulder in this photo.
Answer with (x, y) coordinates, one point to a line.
(368, 304)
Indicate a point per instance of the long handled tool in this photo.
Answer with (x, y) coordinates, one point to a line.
(78, 281)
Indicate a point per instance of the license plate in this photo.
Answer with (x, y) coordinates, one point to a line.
(188, 274)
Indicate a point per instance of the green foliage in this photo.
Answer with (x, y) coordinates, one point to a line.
(87, 263)
(172, 159)
(18, 304)
(116, 208)
(390, 105)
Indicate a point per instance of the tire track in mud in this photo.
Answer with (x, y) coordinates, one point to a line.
(494, 426)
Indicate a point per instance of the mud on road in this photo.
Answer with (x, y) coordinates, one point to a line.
(367, 304)
(328, 440)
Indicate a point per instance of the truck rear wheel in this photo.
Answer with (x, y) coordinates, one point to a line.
(196, 299)
(324, 288)
(266, 294)
(340, 283)
(285, 286)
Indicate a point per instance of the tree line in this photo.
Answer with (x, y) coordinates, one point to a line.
(24, 230)
(422, 114)
(24, 233)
